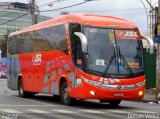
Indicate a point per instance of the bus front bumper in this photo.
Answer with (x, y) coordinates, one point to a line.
(88, 91)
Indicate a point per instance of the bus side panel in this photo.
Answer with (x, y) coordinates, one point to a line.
(56, 65)
(64, 69)
(30, 71)
(13, 71)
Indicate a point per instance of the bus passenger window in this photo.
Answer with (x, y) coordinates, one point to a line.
(11, 47)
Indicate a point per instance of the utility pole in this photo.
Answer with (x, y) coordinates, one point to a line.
(151, 23)
(158, 17)
(33, 12)
(158, 56)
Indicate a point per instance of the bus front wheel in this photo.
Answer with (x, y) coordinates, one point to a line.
(114, 103)
(65, 98)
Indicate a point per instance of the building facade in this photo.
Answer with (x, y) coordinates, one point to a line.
(13, 17)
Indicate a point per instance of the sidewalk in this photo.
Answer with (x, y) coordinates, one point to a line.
(150, 96)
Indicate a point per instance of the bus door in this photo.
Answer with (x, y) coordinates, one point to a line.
(76, 50)
(76, 47)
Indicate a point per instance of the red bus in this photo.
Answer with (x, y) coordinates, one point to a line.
(78, 56)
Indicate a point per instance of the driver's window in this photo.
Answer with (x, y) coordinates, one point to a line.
(79, 53)
(76, 47)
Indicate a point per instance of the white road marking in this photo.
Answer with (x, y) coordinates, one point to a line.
(153, 107)
(37, 111)
(10, 111)
(143, 111)
(80, 114)
(92, 111)
(64, 111)
(117, 111)
(6, 105)
(59, 116)
(110, 113)
(3, 79)
(29, 116)
(27, 99)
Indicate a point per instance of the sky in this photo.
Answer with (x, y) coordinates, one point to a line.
(132, 10)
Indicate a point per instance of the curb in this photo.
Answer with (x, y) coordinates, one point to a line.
(150, 101)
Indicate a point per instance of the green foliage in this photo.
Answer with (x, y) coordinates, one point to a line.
(3, 46)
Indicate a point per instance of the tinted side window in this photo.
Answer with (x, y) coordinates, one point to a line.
(52, 38)
(27, 44)
(11, 46)
(60, 37)
(19, 44)
(40, 40)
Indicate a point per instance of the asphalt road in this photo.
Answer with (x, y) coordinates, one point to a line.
(45, 107)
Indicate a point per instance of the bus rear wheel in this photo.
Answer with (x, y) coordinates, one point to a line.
(65, 98)
(21, 91)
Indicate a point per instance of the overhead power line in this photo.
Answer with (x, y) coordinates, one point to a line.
(49, 3)
(14, 19)
(107, 10)
(64, 7)
(41, 1)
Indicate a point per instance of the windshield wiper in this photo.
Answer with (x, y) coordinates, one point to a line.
(109, 63)
(125, 61)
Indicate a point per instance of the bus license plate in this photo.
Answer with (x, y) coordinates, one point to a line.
(118, 94)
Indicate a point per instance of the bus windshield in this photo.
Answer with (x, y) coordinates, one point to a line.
(114, 52)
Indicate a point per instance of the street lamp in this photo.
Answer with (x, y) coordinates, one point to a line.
(146, 14)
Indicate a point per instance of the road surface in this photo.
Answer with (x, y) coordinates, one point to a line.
(45, 107)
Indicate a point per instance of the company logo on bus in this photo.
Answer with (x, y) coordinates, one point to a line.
(127, 35)
(37, 59)
(118, 87)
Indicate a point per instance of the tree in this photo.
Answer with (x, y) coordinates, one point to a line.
(3, 41)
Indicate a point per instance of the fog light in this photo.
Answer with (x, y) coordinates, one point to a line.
(92, 93)
(140, 93)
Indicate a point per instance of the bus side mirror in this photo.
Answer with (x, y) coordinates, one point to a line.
(151, 44)
(83, 40)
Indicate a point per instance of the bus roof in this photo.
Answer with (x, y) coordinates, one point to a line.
(83, 19)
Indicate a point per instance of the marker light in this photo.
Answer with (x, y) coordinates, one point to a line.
(79, 81)
(92, 93)
(140, 93)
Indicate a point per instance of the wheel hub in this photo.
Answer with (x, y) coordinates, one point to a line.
(65, 95)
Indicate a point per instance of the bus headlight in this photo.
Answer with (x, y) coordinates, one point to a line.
(140, 93)
(92, 93)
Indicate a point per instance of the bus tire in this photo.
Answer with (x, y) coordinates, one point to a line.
(114, 103)
(56, 98)
(21, 91)
(65, 98)
(30, 94)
